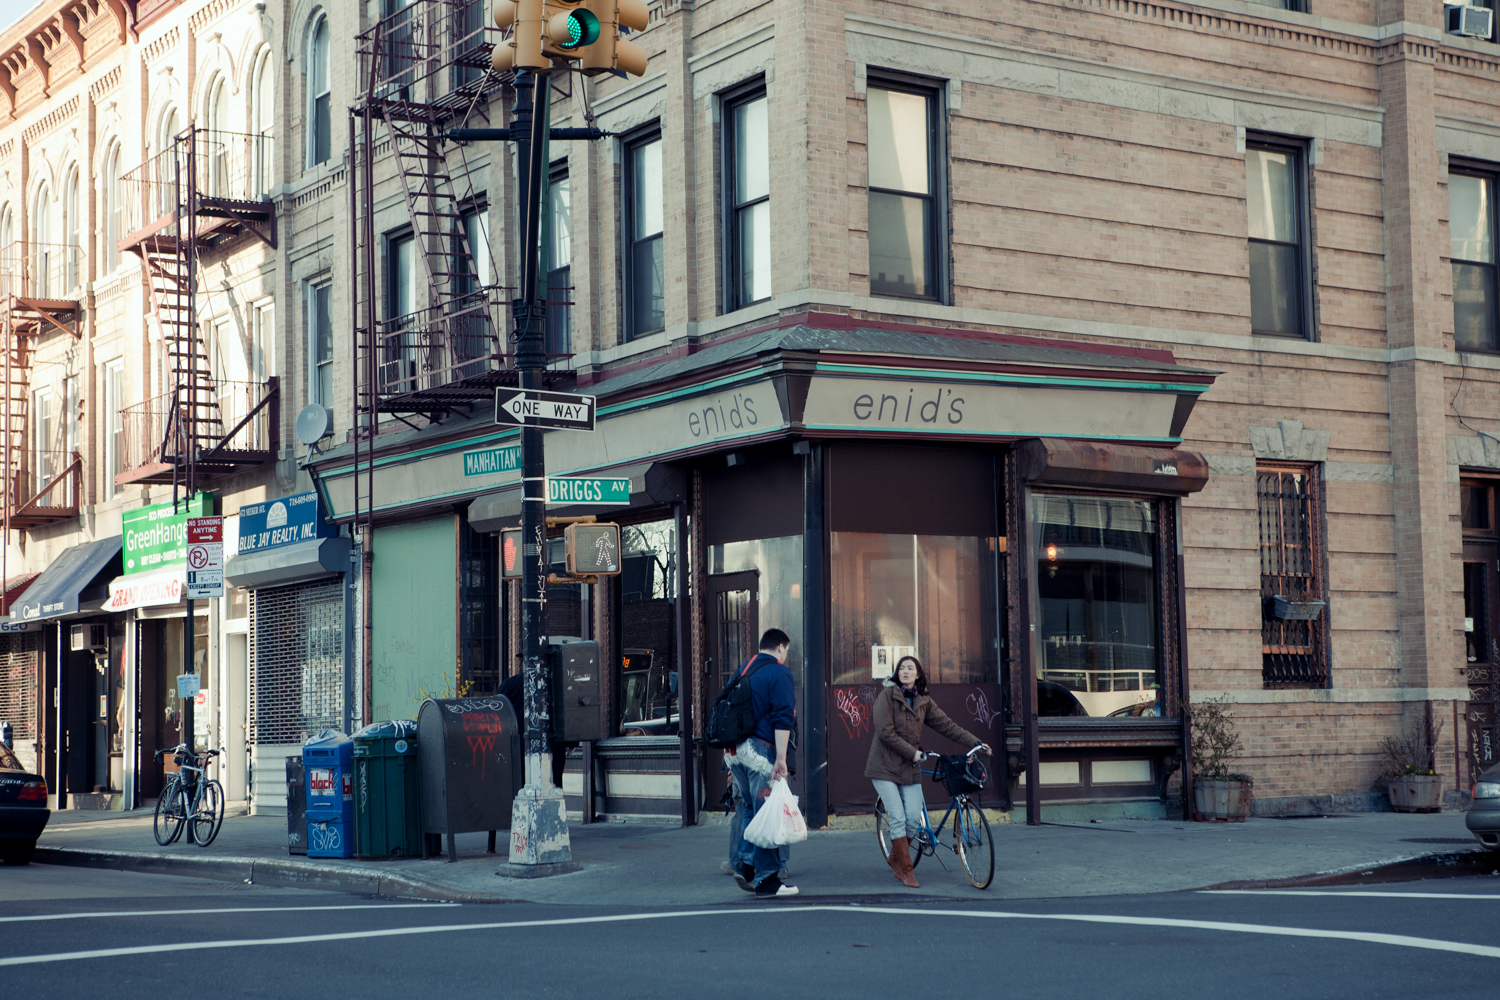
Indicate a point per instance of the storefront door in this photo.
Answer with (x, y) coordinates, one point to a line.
(733, 635)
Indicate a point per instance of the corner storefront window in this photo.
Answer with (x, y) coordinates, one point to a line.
(1098, 623)
(648, 629)
(896, 595)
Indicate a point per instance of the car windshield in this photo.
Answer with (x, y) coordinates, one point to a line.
(8, 760)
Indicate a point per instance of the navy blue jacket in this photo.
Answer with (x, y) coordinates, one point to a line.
(772, 697)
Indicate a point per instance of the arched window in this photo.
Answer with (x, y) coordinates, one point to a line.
(263, 122)
(73, 228)
(43, 252)
(216, 142)
(319, 107)
(164, 172)
(114, 206)
(10, 254)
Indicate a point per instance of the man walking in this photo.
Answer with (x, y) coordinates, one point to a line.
(762, 758)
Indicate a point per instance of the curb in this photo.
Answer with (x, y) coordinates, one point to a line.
(1450, 864)
(261, 871)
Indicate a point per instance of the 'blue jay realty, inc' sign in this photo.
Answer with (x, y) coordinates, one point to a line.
(271, 523)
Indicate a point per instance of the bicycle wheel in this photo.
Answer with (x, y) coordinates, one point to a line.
(972, 843)
(208, 814)
(883, 832)
(166, 824)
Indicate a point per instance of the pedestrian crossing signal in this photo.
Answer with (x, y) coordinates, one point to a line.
(592, 549)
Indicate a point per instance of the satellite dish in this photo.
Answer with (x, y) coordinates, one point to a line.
(314, 424)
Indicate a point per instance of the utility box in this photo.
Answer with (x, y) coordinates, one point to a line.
(472, 765)
(296, 807)
(577, 690)
(387, 804)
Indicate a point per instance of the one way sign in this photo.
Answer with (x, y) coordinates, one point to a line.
(535, 408)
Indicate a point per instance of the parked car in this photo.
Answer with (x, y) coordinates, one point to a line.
(1483, 819)
(23, 809)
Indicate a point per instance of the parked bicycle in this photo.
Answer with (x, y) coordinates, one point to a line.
(191, 798)
(963, 774)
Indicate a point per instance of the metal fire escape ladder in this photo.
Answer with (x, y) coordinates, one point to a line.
(436, 214)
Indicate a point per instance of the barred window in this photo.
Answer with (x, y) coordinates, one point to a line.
(1294, 631)
(296, 661)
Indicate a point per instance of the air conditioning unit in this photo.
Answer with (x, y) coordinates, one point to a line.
(90, 637)
(1470, 22)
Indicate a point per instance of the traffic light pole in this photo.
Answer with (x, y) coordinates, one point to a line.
(539, 842)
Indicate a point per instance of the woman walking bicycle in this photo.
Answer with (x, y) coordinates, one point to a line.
(902, 708)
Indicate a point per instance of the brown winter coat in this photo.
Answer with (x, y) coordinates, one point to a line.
(898, 733)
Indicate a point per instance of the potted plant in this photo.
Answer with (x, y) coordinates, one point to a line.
(1410, 779)
(1218, 793)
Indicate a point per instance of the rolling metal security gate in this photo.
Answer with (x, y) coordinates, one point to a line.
(18, 658)
(296, 661)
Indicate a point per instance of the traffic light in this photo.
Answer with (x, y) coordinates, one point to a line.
(592, 549)
(611, 53)
(524, 50)
(543, 30)
(568, 27)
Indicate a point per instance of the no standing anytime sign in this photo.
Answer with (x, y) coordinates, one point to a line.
(205, 557)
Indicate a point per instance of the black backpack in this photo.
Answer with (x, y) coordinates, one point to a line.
(731, 719)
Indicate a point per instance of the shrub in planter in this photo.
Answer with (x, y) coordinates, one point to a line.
(1218, 792)
(1410, 780)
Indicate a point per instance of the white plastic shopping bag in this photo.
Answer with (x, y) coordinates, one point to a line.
(779, 822)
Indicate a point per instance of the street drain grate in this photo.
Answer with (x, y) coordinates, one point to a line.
(1438, 840)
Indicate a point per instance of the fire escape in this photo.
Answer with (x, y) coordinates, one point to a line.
(198, 195)
(40, 483)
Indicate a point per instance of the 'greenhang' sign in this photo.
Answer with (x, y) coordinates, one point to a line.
(492, 460)
(155, 537)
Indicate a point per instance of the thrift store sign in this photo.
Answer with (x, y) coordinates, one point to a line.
(273, 523)
(155, 537)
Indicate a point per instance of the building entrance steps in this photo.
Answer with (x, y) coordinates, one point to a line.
(660, 865)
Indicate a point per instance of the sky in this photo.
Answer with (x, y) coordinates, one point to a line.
(12, 11)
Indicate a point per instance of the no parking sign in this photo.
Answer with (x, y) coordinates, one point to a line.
(205, 557)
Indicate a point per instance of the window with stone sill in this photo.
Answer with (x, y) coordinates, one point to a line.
(1294, 648)
(1472, 238)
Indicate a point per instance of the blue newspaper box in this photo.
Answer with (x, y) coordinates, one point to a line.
(328, 763)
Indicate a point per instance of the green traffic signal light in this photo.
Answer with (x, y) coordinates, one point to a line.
(583, 29)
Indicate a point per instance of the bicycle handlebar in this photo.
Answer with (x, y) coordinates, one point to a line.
(972, 751)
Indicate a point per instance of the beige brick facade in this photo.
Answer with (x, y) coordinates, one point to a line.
(1094, 190)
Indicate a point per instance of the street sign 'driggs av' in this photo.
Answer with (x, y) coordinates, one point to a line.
(535, 408)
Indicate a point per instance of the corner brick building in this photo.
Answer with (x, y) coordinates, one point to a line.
(1214, 286)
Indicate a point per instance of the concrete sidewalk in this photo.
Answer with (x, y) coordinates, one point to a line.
(658, 865)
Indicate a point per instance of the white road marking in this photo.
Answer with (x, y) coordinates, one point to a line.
(1334, 892)
(226, 909)
(1399, 940)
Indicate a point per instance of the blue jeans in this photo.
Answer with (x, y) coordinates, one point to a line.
(903, 807)
(751, 788)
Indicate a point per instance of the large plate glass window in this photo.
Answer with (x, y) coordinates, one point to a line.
(645, 280)
(903, 213)
(1274, 187)
(747, 167)
(1099, 626)
(1471, 233)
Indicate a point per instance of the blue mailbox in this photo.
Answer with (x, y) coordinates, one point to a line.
(328, 763)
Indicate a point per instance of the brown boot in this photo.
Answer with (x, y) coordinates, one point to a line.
(901, 863)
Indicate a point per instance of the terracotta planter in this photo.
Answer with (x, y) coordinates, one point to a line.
(1416, 793)
(1223, 800)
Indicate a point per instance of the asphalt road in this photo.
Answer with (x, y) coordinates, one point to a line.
(130, 935)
